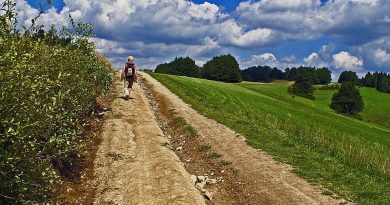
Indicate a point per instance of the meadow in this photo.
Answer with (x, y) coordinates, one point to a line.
(348, 156)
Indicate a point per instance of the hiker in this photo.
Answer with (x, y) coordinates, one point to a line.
(128, 75)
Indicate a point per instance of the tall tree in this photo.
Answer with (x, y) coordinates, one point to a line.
(257, 74)
(348, 99)
(323, 76)
(180, 66)
(375, 78)
(383, 83)
(292, 74)
(276, 74)
(348, 76)
(303, 85)
(222, 68)
(368, 80)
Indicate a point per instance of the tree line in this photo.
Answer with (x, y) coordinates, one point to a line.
(380, 81)
(225, 68)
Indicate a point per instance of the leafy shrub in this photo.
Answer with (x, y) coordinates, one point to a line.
(49, 82)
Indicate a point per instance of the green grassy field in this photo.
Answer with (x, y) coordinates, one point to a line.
(348, 156)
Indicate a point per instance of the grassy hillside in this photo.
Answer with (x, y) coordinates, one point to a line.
(376, 109)
(377, 105)
(349, 156)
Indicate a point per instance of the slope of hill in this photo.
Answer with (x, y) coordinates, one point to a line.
(377, 106)
(347, 155)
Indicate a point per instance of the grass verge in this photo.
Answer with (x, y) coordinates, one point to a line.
(348, 156)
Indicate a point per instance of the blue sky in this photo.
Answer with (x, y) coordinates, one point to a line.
(340, 34)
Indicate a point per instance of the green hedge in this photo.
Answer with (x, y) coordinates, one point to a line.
(48, 87)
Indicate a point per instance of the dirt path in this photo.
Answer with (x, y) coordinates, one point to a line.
(132, 166)
(262, 180)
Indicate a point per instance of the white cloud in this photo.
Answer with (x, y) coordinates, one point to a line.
(344, 60)
(351, 21)
(269, 59)
(163, 29)
(322, 58)
(376, 54)
(254, 38)
(381, 56)
(289, 59)
(312, 60)
(157, 28)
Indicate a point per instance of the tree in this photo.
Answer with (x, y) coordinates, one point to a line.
(291, 74)
(375, 79)
(303, 85)
(276, 74)
(323, 76)
(348, 99)
(222, 68)
(257, 74)
(368, 80)
(180, 66)
(348, 76)
(163, 68)
(383, 83)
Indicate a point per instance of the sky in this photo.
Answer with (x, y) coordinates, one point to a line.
(338, 34)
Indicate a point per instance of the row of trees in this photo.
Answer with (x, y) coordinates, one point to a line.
(261, 74)
(267, 74)
(305, 78)
(380, 81)
(347, 100)
(221, 68)
(225, 68)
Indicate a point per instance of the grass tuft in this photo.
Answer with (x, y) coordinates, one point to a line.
(214, 155)
(204, 148)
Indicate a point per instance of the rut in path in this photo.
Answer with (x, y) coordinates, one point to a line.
(131, 166)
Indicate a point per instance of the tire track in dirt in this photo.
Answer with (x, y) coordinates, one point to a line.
(264, 180)
(131, 166)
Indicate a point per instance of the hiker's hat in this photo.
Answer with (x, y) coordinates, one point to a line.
(130, 58)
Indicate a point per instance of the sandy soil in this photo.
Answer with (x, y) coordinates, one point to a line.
(132, 166)
(263, 180)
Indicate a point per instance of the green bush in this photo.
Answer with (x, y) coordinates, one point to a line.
(49, 82)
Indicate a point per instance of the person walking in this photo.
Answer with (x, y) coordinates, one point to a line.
(129, 76)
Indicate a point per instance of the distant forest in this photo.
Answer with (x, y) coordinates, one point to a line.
(225, 68)
(267, 74)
